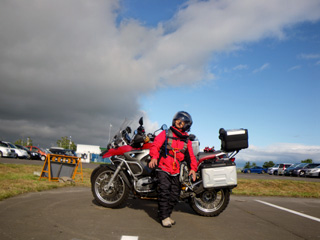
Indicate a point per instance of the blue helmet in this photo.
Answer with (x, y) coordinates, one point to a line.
(184, 117)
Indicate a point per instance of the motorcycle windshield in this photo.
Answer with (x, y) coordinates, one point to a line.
(118, 136)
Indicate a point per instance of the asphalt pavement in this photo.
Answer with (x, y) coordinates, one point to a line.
(72, 214)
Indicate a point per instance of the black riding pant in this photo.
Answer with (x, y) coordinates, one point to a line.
(169, 191)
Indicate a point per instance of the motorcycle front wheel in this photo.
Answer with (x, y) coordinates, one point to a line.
(113, 197)
(210, 203)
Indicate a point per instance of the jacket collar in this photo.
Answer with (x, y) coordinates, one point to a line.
(182, 135)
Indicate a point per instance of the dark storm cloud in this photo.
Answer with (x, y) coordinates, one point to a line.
(67, 68)
(56, 79)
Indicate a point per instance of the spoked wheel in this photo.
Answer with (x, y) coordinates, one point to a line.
(112, 197)
(211, 203)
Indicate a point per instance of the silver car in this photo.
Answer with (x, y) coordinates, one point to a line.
(19, 153)
(278, 169)
(273, 170)
(313, 172)
(283, 167)
(6, 151)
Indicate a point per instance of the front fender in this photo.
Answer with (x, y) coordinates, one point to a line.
(111, 167)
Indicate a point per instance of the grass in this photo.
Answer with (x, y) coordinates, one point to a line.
(283, 188)
(17, 179)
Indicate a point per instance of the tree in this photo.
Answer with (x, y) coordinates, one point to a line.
(247, 165)
(268, 164)
(66, 143)
(307, 161)
(27, 142)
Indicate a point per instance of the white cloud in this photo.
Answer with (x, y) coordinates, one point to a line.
(309, 56)
(262, 68)
(241, 67)
(294, 68)
(279, 153)
(69, 68)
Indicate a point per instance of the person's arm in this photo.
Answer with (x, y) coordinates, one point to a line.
(193, 162)
(155, 149)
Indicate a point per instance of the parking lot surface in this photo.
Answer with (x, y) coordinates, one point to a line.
(71, 213)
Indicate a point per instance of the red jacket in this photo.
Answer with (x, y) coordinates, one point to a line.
(166, 163)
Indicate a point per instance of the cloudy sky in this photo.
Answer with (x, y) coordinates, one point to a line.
(73, 68)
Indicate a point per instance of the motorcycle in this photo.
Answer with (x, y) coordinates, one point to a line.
(209, 195)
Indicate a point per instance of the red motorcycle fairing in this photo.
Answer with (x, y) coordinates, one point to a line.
(212, 156)
(147, 146)
(118, 151)
(206, 157)
(123, 149)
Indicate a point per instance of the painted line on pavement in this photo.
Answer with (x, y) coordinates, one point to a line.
(289, 210)
(129, 238)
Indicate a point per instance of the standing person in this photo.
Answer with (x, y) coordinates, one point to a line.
(174, 145)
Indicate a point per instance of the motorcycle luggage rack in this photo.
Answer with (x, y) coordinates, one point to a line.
(232, 154)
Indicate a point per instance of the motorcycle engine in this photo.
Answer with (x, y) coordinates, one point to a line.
(145, 185)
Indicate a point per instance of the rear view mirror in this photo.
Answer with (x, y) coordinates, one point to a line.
(164, 127)
(141, 121)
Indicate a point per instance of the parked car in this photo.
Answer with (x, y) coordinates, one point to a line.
(255, 169)
(6, 151)
(273, 170)
(57, 150)
(62, 151)
(313, 172)
(278, 169)
(31, 155)
(71, 152)
(288, 171)
(43, 152)
(282, 167)
(301, 172)
(19, 153)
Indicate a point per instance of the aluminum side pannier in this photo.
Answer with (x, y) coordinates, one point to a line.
(219, 174)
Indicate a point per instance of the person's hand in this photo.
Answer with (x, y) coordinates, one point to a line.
(193, 173)
(153, 163)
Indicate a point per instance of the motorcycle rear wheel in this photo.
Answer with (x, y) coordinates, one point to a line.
(116, 195)
(210, 203)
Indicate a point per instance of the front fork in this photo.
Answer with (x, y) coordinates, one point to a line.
(107, 187)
